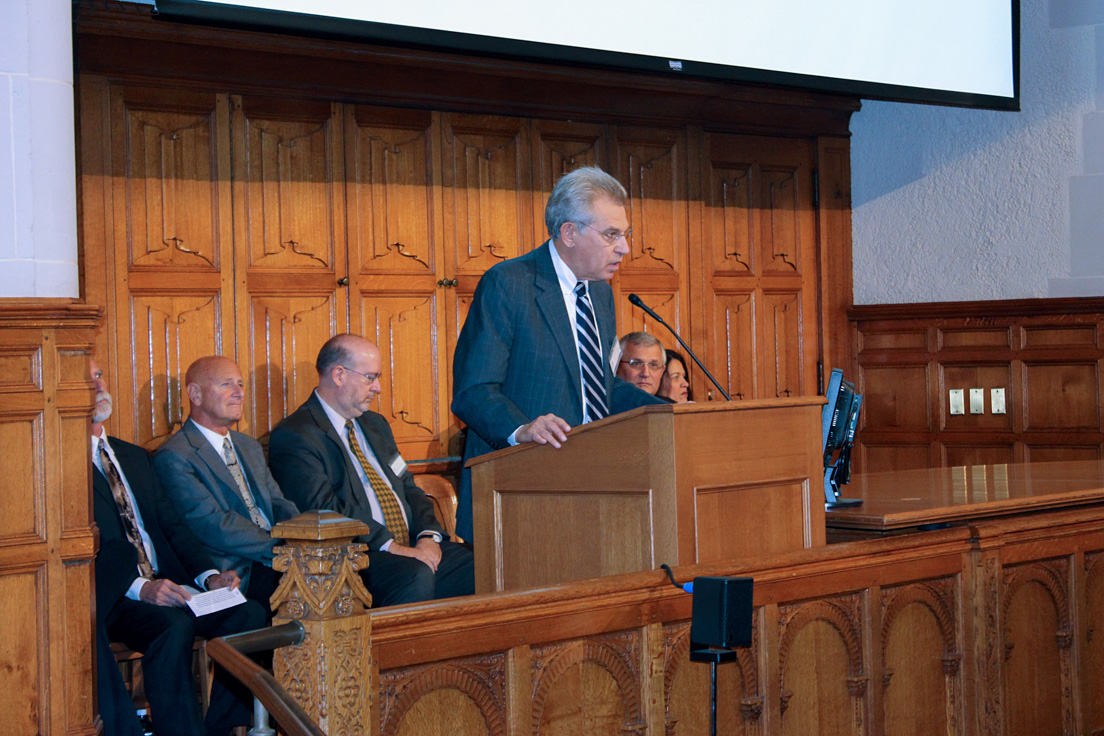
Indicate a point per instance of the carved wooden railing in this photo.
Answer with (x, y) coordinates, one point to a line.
(988, 629)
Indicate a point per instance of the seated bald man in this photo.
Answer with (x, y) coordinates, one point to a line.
(334, 453)
(218, 479)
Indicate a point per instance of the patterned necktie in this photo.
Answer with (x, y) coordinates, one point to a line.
(388, 501)
(590, 357)
(126, 511)
(243, 488)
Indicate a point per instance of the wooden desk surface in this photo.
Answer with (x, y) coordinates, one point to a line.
(904, 499)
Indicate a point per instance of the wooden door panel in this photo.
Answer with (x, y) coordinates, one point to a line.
(392, 187)
(285, 334)
(666, 303)
(782, 341)
(651, 164)
(20, 510)
(170, 331)
(732, 329)
(167, 161)
(288, 179)
(781, 232)
(559, 148)
(403, 326)
(758, 234)
(290, 248)
(172, 255)
(729, 224)
(487, 180)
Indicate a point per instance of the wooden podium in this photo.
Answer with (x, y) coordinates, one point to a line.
(674, 483)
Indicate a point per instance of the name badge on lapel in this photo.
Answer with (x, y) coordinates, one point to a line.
(398, 465)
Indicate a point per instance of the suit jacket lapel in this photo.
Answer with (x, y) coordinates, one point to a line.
(215, 464)
(318, 414)
(551, 303)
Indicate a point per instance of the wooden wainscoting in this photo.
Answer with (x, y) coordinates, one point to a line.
(1047, 355)
(989, 629)
(46, 538)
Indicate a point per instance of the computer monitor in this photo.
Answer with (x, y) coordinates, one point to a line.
(839, 420)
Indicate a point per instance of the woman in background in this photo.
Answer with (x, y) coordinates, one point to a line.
(675, 383)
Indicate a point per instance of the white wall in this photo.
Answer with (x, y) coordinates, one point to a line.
(38, 197)
(955, 204)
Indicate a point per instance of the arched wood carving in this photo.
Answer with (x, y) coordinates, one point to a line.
(482, 679)
(1053, 575)
(676, 644)
(938, 596)
(618, 654)
(844, 614)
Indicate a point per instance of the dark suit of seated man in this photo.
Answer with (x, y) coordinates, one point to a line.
(147, 557)
(219, 482)
(333, 453)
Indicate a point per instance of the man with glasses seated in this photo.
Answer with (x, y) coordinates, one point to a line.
(533, 357)
(643, 360)
(335, 453)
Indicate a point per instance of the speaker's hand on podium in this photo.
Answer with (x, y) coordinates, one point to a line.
(548, 429)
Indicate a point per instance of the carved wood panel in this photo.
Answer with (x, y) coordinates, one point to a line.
(588, 686)
(1038, 660)
(404, 326)
(688, 691)
(170, 267)
(652, 166)
(283, 338)
(758, 241)
(487, 176)
(557, 149)
(820, 661)
(462, 696)
(1092, 660)
(21, 513)
(921, 659)
(288, 180)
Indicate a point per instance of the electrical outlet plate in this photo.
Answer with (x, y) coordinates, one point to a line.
(977, 401)
(997, 397)
(958, 403)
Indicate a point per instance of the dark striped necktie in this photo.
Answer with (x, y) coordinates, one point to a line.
(590, 357)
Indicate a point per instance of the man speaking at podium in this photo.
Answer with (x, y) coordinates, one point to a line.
(533, 357)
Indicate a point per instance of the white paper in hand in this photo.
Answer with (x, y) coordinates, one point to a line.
(215, 600)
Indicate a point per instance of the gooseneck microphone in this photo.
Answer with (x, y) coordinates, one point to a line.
(635, 300)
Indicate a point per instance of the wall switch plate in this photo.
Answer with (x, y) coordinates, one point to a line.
(958, 404)
(977, 401)
(997, 396)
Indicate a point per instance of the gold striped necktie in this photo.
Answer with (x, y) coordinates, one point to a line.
(388, 501)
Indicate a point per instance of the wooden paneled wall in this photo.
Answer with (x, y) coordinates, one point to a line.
(223, 212)
(1047, 354)
(988, 630)
(46, 537)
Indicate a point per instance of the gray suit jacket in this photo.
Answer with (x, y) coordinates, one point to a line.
(516, 359)
(200, 485)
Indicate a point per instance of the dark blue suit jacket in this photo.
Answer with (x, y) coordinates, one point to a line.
(516, 360)
(312, 466)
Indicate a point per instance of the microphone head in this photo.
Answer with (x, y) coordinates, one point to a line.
(634, 299)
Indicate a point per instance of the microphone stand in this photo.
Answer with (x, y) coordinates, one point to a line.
(634, 299)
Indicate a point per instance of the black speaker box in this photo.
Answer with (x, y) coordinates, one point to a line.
(722, 612)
